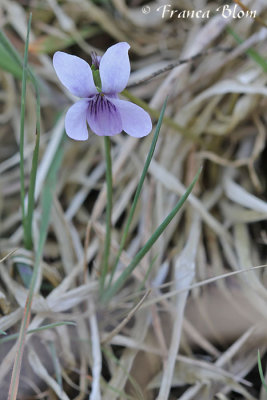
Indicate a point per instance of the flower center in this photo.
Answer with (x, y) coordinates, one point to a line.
(101, 105)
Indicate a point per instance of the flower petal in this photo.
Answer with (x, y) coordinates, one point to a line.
(75, 74)
(103, 117)
(135, 121)
(75, 120)
(115, 68)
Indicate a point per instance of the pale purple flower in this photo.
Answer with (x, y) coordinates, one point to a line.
(98, 87)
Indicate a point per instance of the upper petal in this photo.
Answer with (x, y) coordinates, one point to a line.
(115, 68)
(75, 74)
(75, 121)
(103, 117)
(135, 121)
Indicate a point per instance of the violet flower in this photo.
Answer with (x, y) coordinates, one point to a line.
(98, 87)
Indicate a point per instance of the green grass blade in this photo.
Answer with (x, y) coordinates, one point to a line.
(56, 365)
(10, 49)
(41, 328)
(46, 207)
(7, 63)
(104, 269)
(253, 54)
(139, 188)
(48, 190)
(22, 66)
(15, 59)
(151, 265)
(21, 143)
(33, 172)
(261, 372)
(127, 272)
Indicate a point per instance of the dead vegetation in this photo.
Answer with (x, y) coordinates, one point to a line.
(192, 337)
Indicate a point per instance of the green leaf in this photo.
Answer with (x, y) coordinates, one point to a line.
(139, 188)
(48, 190)
(33, 171)
(56, 364)
(127, 272)
(15, 57)
(41, 328)
(7, 63)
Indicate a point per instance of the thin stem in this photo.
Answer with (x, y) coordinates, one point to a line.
(21, 142)
(104, 269)
(180, 62)
(33, 171)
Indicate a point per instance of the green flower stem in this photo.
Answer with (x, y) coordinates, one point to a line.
(111, 291)
(104, 269)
